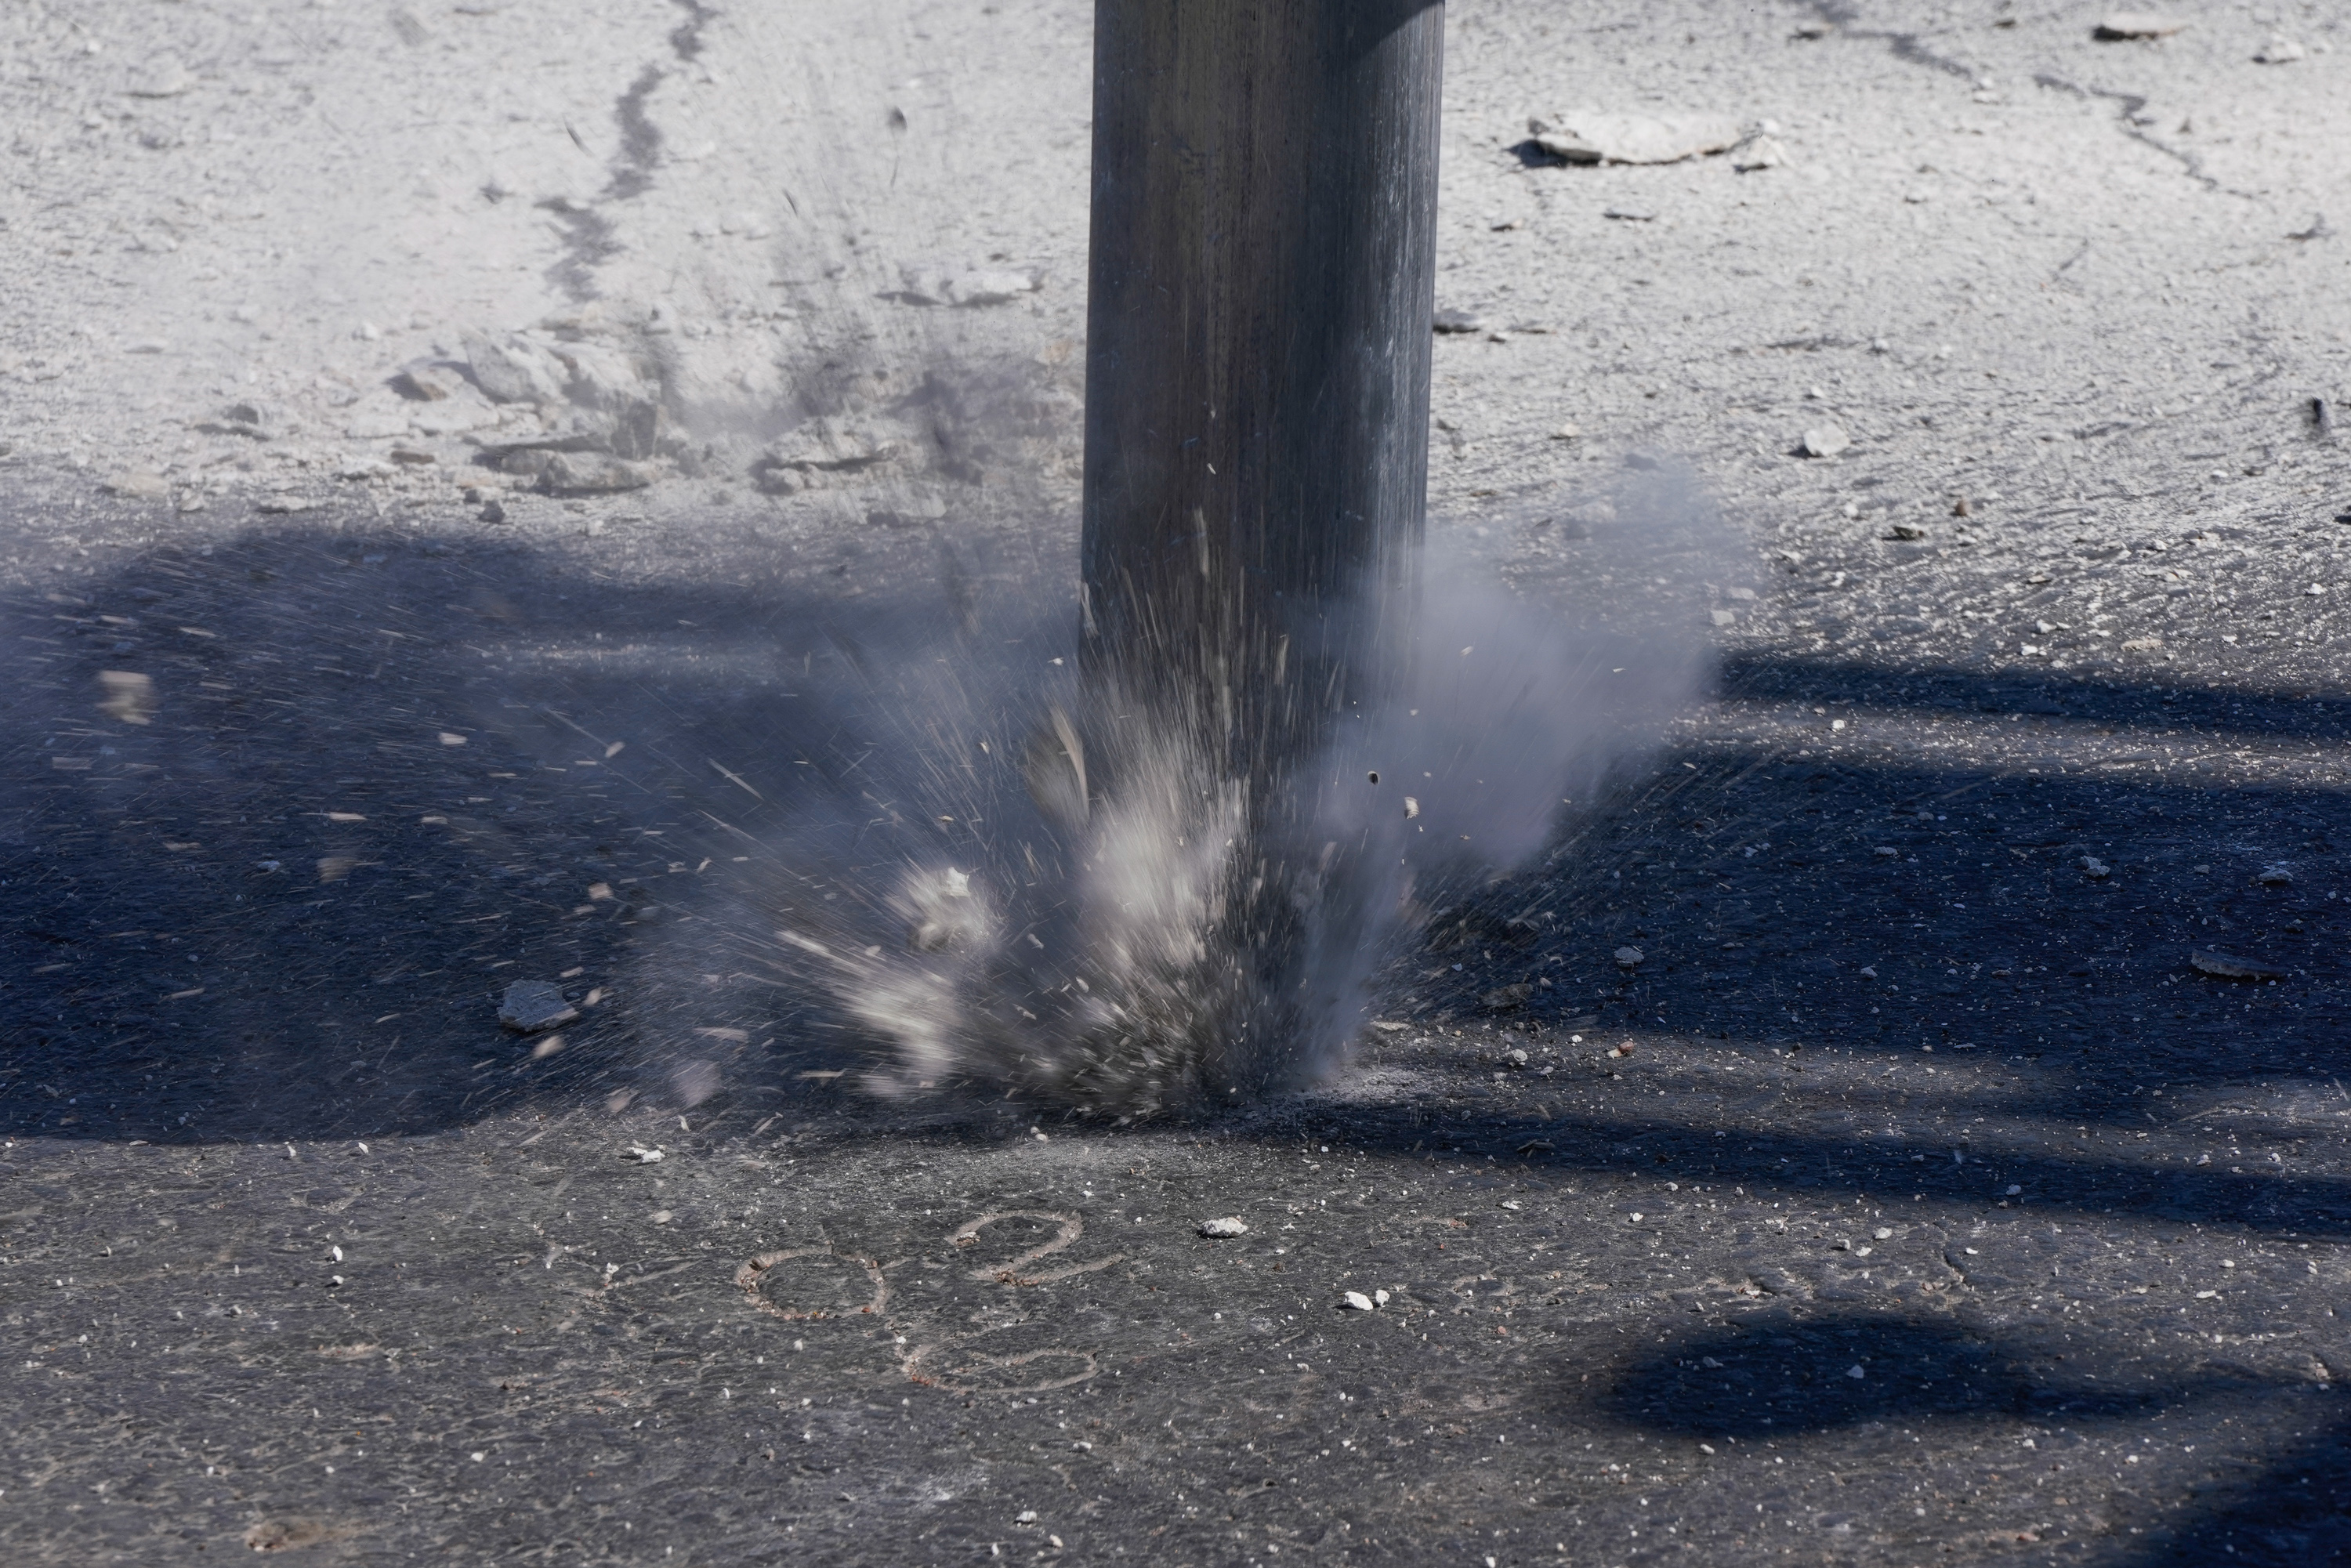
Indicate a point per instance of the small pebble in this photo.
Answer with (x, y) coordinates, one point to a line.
(1757, 151)
(165, 77)
(2121, 24)
(1220, 1229)
(531, 1006)
(2229, 967)
(1827, 440)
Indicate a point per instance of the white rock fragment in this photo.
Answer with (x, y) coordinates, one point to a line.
(1758, 149)
(644, 1156)
(137, 485)
(427, 381)
(2096, 869)
(165, 77)
(1628, 957)
(531, 1006)
(129, 696)
(1357, 1300)
(594, 474)
(977, 287)
(980, 289)
(2278, 51)
(246, 419)
(1222, 1229)
(1856, 1371)
(2119, 26)
(819, 451)
(1600, 136)
(510, 368)
(1827, 440)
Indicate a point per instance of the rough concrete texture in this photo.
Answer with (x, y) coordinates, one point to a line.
(1913, 1197)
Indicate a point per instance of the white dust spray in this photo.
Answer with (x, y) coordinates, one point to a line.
(996, 876)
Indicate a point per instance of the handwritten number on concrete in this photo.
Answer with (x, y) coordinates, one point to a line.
(753, 1275)
(814, 1283)
(1071, 1228)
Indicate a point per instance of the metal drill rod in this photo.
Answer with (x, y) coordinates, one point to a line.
(1262, 284)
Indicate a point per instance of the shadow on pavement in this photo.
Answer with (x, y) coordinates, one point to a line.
(1781, 1376)
(256, 800)
(279, 822)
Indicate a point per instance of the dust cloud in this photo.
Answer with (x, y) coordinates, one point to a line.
(998, 871)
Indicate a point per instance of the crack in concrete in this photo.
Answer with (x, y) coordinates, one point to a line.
(1908, 47)
(2132, 102)
(1905, 47)
(590, 238)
